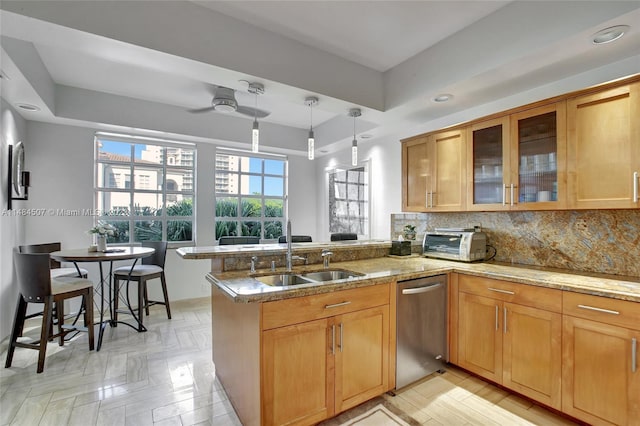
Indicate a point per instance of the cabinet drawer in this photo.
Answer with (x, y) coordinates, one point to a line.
(603, 309)
(301, 309)
(543, 298)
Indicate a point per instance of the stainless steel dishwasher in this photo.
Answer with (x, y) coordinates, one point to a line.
(421, 328)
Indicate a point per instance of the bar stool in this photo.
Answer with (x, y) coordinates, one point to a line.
(35, 285)
(151, 267)
(232, 239)
(295, 239)
(56, 269)
(344, 236)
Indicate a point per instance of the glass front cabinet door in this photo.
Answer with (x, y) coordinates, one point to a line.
(518, 162)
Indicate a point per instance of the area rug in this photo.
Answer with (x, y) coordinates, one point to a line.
(376, 412)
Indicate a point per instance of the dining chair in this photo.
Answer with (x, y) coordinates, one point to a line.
(295, 239)
(35, 285)
(232, 239)
(150, 268)
(56, 268)
(344, 236)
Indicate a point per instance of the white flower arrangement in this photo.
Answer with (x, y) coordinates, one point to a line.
(104, 230)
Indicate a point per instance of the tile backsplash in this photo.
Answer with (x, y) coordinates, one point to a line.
(604, 241)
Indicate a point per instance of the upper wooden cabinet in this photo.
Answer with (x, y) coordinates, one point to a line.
(517, 162)
(433, 172)
(415, 175)
(604, 149)
(576, 151)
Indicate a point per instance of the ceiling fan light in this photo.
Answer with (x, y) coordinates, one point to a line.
(255, 137)
(311, 145)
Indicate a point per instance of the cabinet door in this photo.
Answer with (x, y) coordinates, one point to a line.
(296, 362)
(447, 153)
(538, 158)
(487, 163)
(480, 336)
(416, 173)
(362, 356)
(532, 353)
(599, 383)
(604, 149)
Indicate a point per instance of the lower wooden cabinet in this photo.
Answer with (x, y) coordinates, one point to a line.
(601, 369)
(510, 343)
(315, 369)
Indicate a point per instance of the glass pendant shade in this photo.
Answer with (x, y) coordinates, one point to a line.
(255, 137)
(311, 145)
(354, 152)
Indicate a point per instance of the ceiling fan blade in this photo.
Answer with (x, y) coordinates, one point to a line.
(245, 110)
(199, 110)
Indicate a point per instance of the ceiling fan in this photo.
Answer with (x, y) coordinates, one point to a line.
(224, 100)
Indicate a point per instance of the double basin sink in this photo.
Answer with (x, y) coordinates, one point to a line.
(297, 278)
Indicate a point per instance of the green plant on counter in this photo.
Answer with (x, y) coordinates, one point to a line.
(410, 232)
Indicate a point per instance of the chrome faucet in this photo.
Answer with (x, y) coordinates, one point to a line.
(326, 255)
(254, 259)
(290, 258)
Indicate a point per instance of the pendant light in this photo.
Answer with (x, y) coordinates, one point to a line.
(256, 89)
(354, 112)
(311, 101)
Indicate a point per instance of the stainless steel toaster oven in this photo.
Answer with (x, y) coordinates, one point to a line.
(463, 244)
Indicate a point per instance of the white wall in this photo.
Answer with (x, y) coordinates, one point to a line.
(60, 159)
(12, 130)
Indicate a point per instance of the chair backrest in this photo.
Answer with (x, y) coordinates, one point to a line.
(295, 239)
(228, 240)
(159, 256)
(43, 248)
(33, 274)
(342, 236)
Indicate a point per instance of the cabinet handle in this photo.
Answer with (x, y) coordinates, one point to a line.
(425, 289)
(333, 339)
(426, 199)
(336, 305)
(504, 321)
(504, 194)
(497, 327)
(605, 311)
(497, 290)
(635, 187)
(512, 186)
(634, 355)
(341, 341)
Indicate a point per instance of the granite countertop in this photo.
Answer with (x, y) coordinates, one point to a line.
(244, 250)
(242, 287)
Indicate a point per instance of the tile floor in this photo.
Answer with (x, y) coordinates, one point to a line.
(166, 377)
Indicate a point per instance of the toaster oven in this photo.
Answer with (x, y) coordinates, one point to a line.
(462, 244)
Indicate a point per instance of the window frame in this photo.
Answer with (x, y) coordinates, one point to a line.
(241, 194)
(129, 169)
(366, 211)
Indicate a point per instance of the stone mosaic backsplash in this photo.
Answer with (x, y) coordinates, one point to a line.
(602, 241)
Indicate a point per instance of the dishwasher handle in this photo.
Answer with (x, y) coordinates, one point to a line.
(424, 289)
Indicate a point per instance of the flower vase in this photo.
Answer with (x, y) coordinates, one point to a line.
(101, 242)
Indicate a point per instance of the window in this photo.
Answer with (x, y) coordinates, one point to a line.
(146, 197)
(250, 194)
(349, 200)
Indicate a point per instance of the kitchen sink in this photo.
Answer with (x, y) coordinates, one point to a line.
(280, 280)
(290, 278)
(330, 275)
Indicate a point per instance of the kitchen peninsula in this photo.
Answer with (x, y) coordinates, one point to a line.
(273, 344)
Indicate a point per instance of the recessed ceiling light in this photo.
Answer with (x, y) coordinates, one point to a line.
(366, 136)
(443, 97)
(28, 107)
(609, 34)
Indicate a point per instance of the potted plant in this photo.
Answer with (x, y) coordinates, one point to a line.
(410, 232)
(102, 231)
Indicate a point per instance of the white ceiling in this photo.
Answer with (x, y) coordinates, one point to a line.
(138, 66)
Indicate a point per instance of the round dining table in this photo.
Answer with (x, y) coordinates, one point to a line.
(111, 255)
